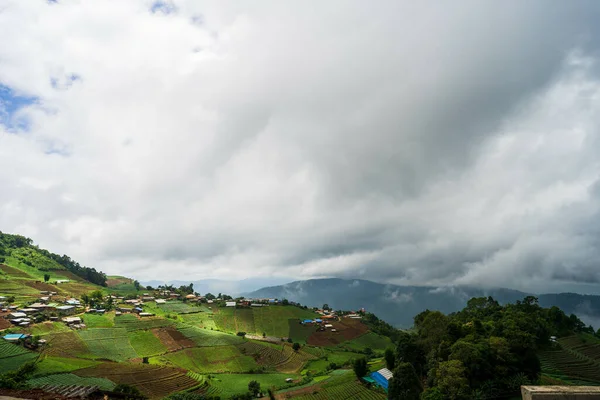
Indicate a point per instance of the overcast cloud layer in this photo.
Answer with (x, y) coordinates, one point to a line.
(406, 142)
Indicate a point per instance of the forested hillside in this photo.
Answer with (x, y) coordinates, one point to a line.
(485, 350)
(20, 249)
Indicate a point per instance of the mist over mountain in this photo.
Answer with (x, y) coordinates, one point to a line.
(399, 304)
(230, 287)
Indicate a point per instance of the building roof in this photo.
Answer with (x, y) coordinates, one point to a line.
(15, 336)
(160, 301)
(386, 373)
(230, 303)
(64, 308)
(18, 315)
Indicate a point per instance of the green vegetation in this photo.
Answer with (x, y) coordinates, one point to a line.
(146, 344)
(131, 322)
(210, 360)
(99, 321)
(13, 356)
(340, 387)
(108, 343)
(54, 365)
(227, 385)
(208, 338)
(70, 379)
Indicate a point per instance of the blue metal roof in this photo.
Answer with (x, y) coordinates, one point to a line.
(380, 380)
(307, 321)
(318, 320)
(15, 336)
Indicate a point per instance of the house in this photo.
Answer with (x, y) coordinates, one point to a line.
(160, 301)
(382, 377)
(15, 337)
(147, 298)
(14, 315)
(209, 301)
(73, 302)
(328, 326)
(72, 320)
(138, 310)
(66, 309)
(256, 305)
(44, 292)
(125, 309)
(307, 321)
(318, 320)
(289, 380)
(44, 299)
(29, 310)
(58, 281)
(230, 304)
(146, 314)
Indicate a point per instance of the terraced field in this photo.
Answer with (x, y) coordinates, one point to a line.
(108, 343)
(54, 365)
(99, 321)
(146, 344)
(208, 338)
(210, 360)
(227, 385)
(71, 379)
(67, 344)
(282, 357)
(341, 387)
(273, 320)
(131, 322)
(574, 360)
(154, 381)
(12, 356)
(179, 307)
(231, 319)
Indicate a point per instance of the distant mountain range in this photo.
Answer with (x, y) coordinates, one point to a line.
(399, 304)
(216, 286)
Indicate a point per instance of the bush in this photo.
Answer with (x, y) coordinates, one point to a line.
(241, 334)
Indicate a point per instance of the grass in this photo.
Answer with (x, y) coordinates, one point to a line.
(108, 343)
(54, 365)
(210, 360)
(227, 385)
(340, 358)
(99, 321)
(299, 332)
(66, 344)
(46, 328)
(341, 387)
(12, 356)
(273, 320)
(369, 339)
(71, 379)
(208, 338)
(178, 307)
(146, 344)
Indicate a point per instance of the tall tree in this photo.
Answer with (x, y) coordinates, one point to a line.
(360, 367)
(404, 384)
(390, 359)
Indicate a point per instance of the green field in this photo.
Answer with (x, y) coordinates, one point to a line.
(178, 307)
(108, 343)
(99, 321)
(299, 332)
(341, 387)
(273, 320)
(12, 356)
(210, 360)
(146, 344)
(227, 385)
(70, 379)
(131, 322)
(340, 358)
(576, 359)
(54, 365)
(208, 338)
(369, 339)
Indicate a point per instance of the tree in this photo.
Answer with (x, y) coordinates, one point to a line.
(136, 284)
(254, 387)
(360, 367)
(85, 299)
(451, 380)
(46, 277)
(325, 306)
(285, 302)
(296, 346)
(390, 359)
(149, 287)
(432, 393)
(405, 383)
(210, 296)
(128, 389)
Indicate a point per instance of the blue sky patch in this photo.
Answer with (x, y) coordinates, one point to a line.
(10, 104)
(162, 6)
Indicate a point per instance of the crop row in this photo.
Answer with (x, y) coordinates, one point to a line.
(568, 364)
(352, 390)
(71, 379)
(10, 349)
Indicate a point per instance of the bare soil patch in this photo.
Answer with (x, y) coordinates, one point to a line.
(347, 329)
(42, 286)
(14, 271)
(173, 339)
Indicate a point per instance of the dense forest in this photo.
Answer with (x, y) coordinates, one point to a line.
(485, 351)
(9, 242)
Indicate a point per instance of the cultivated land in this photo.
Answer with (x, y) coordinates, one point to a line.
(187, 346)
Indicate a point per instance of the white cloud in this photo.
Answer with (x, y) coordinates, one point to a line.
(397, 142)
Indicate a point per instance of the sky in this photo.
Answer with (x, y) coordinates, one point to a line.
(423, 143)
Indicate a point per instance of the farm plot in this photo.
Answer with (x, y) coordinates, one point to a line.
(565, 363)
(200, 319)
(99, 321)
(145, 343)
(154, 381)
(205, 337)
(300, 332)
(227, 385)
(210, 360)
(585, 348)
(66, 344)
(273, 320)
(133, 323)
(231, 319)
(264, 354)
(12, 356)
(178, 307)
(172, 339)
(46, 328)
(369, 339)
(56, 365)
(340, 387)
(71, 379)
(108, 343)
(347, 329)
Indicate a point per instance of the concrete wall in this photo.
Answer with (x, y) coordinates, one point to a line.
(560, 392)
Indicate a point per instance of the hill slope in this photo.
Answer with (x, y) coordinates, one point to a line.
(399, 304)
